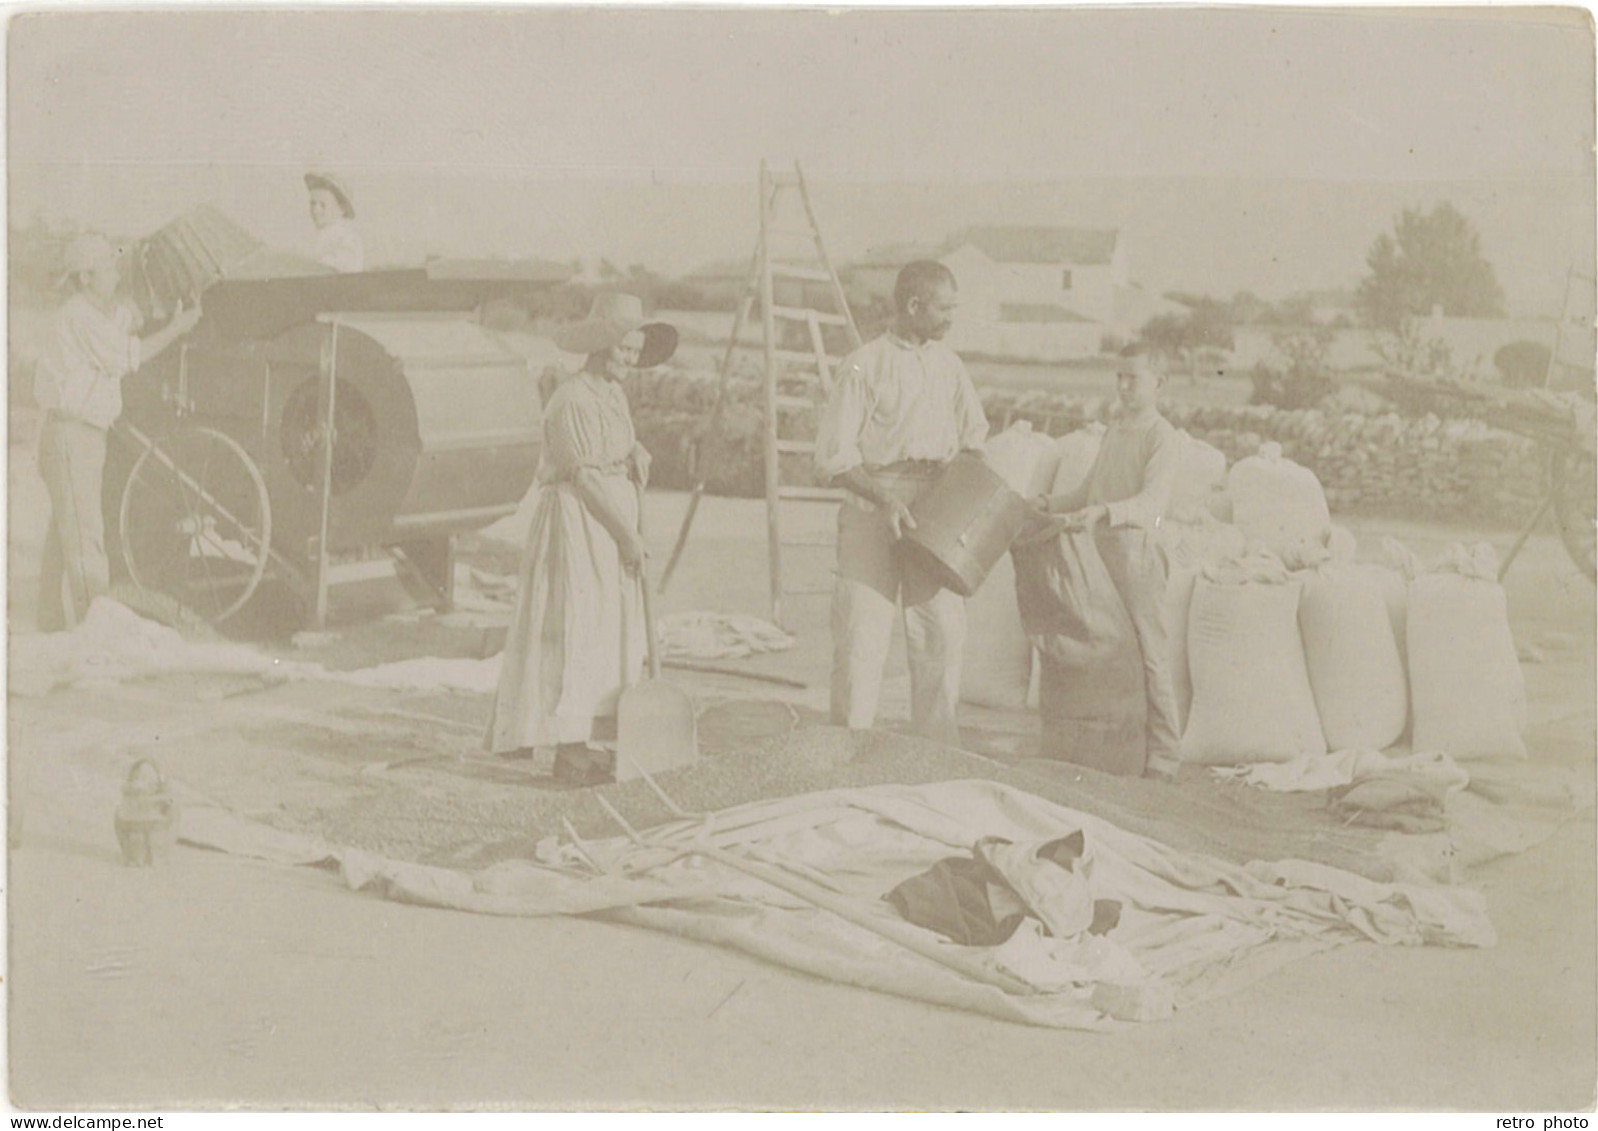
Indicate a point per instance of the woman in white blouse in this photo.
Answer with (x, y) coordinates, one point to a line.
(338, 244)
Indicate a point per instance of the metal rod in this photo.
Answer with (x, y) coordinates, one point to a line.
(717, 412)
(330, 385)
(465, 514)
(826, 260)
(773, 466)
(131, 431)
(1526, 531)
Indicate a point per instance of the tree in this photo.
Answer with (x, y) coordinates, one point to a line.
(1303, 378)
(1430, 259)
(1523, 365)
(1185, 338)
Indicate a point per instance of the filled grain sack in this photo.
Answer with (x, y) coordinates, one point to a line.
(1277, 503)
(1024, 459)
(1202, 476)
(1189, 549)
(1467, 691)
(1251, 693)
(1090, 680)
(997, 664)
(1355, 669)
(1075, 453)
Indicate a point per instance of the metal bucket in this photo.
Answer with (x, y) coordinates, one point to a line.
(965, 523)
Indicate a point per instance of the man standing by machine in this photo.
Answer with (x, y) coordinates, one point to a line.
(79, 386)
(902, 406)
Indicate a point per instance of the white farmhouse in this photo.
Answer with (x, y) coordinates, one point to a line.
(1031, 292)
(1038, 274)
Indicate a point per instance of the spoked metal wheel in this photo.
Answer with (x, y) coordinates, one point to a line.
(196, 523)
(1574, 477)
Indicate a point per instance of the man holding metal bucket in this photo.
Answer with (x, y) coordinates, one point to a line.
(902, 406)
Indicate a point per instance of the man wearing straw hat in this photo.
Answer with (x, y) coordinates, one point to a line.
(78, 384)
(902, 406)
(338, 244)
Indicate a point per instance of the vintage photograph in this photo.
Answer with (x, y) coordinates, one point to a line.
(775, 559)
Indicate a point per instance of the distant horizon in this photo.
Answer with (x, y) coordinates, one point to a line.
(1199, 233)
(1238, 148)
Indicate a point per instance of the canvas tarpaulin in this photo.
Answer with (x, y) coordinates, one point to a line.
(1191, 927)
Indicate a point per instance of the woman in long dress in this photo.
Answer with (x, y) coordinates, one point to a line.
(578, 622)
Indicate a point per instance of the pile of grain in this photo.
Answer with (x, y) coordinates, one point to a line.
(420, 816)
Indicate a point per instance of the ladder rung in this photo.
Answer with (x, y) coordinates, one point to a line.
(809, 591)
(792, 233)
(785, 401)
(800, 314)
(811, 494)
(819, 541)
(804, 357)
(804, 447)
(801, 271)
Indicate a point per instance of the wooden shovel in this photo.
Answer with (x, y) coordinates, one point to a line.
(655, 725)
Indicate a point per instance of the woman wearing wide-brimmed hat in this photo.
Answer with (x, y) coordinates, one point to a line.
(578, 608)
(338, 244)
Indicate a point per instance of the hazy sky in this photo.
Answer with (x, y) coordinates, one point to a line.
(122, 119)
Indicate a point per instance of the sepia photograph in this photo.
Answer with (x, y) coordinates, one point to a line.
(770, 559)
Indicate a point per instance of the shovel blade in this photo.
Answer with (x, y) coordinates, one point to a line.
(655, 730)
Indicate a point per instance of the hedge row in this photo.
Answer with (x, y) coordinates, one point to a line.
(1387, 464)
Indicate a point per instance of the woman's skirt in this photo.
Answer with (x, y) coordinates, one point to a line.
(578, 625)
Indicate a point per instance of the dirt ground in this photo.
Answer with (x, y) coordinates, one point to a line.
(218, 982)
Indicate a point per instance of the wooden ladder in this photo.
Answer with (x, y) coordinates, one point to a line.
(802, 306)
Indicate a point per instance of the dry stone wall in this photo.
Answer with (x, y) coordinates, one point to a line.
(1368, 463)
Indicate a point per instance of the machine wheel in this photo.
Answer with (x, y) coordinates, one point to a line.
(1575, 488)
(196, 523)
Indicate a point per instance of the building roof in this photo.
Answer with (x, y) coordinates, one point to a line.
(1134, 306)
(1072, 247)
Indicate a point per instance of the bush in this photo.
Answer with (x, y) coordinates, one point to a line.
(1523, 365)
(1303, 379)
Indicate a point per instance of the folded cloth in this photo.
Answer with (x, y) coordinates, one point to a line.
(1407, 803)
(718, 636)
(1347, 767)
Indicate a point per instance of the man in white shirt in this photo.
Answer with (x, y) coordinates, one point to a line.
(902, 406)
(78, 384)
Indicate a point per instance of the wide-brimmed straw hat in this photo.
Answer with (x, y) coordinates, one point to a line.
(335, 185)
(613, 316)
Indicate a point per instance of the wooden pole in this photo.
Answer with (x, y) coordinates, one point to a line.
(329, 390)
(718, 410)
(773, 466)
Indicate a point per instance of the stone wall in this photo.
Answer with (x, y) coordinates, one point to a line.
(1421, 467)
(1374, 464)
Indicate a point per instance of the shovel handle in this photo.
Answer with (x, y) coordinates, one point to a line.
(643, 585)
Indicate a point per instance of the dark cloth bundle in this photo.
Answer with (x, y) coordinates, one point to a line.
(1090, 690)
(980, 900)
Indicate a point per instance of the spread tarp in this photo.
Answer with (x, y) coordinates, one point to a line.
(1191, 928)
